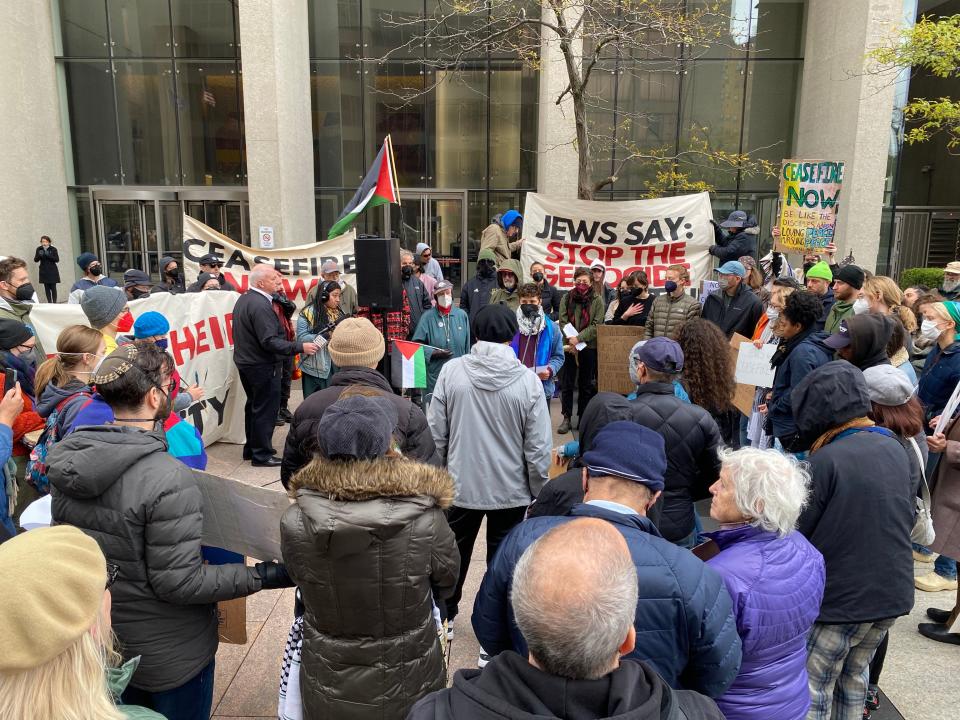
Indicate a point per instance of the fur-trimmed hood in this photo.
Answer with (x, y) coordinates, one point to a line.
(371, 479)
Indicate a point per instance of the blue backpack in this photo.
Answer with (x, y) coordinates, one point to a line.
(37, 465)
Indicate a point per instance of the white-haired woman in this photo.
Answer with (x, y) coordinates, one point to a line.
(775, 577)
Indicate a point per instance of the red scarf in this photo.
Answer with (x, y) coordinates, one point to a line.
(584, 299)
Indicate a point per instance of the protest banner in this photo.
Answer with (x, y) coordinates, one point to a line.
(808, 204)
(646, 235)
(299, 266)
(201, 342)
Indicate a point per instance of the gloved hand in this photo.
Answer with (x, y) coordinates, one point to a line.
(273, 575)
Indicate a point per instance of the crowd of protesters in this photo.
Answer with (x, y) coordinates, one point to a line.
(602, 595)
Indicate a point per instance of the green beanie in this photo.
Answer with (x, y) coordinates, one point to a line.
(486, 254)
(820, 270)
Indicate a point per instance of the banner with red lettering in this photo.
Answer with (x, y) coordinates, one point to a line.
(299, 266)
(647, 235)
(201, 342)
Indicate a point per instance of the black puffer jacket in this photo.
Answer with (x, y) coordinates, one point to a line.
(144, 508)
(370, 549)
(861, 506)
(413, 433)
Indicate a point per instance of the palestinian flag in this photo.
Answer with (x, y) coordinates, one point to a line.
(379, 186)
(409, 365)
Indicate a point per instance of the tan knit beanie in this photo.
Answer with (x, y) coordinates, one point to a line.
(52, 590)
(356, 343)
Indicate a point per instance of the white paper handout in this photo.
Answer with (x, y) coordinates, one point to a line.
(570, 331)
(753, 364)
(948, 410)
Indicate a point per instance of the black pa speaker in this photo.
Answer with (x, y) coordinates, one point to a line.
(377, 262)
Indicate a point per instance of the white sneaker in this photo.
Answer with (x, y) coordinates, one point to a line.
(449, 630)
(932, 582)
(483, 659)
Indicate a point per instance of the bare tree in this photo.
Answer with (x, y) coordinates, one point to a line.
(649, 37)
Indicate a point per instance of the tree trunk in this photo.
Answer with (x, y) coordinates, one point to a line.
(584, 167)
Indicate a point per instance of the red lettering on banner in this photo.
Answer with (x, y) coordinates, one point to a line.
(228, 320)
(298, 288)
(178, 346)
(554, 253)
(202, 335)
(216, 335)
(240, 282)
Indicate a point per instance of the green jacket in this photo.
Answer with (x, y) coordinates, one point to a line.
(588, 332)
(838, 312)
(117, 681)
(500, 294)
(447, 333)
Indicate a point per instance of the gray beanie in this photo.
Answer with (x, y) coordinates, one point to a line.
(358, 428)
(102, 305)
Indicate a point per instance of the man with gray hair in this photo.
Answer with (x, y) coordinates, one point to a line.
(330, 271)
(684, 615)
(574, 594)
(260, 346)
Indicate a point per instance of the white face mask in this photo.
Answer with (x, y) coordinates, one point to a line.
(929, 330)
(860, 306)
(444, 300)
(772, 314)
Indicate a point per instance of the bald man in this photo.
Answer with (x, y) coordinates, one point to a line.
(683, 619)
(574, 594)
(260, 346)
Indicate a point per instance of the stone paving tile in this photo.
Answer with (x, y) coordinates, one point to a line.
(230, 658)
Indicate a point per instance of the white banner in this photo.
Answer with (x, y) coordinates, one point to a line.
(201, 342)
(300, 265)
(646, 235)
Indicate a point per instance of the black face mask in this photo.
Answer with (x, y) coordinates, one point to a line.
(670, 286)
(486, 269)
(172, 272)
(530, 310)
(137, 293)
(95, 270)
(538, 277)
(407, 272)
(25, 292)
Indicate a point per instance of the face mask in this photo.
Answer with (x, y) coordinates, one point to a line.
(530, 310)
(172, 272)
(723, 283)
(407, 272)
(485, 269)
(95, 270)
(860, 306)
(929, 330)
(25, 292)
(538, 277)
(670, 286)
(162, 344)
(444, 300)
(772, 314)
(509, 283)
(137, 293)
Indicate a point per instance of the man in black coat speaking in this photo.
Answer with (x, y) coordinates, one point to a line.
(259, 348)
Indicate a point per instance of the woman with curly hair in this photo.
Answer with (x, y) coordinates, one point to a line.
(708, 375)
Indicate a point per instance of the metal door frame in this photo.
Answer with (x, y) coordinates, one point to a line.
(425, 196)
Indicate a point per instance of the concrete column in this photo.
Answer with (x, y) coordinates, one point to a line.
(274, 42)
(845, 114)
(557, 153)
(33, 178)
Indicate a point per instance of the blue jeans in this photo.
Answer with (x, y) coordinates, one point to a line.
(945, 567)
(191, 701)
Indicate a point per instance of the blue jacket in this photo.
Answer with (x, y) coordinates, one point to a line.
(940, 375)
(684, 621)
(804, 354)
(548, 353)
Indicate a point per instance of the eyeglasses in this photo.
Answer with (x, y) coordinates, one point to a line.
(582, 283)
(112, 572)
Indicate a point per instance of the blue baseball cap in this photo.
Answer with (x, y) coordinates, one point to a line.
(660, 354)
(732, 267)
(510, 217)
(736, 219)
(627, 450)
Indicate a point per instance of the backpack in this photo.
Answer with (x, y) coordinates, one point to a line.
(37, 467)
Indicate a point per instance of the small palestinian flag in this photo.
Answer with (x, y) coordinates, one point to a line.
(409, 365)
(379, 186)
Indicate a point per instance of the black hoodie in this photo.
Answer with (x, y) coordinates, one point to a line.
(511, 688)
(869, 335)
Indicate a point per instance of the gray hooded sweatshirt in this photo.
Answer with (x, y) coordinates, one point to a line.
(492, 430)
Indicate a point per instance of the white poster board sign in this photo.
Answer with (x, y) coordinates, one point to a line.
(753, 364)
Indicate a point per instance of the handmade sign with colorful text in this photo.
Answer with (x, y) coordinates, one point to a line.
(808, 204)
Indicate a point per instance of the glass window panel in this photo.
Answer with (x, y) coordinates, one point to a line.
(478, 218)
(457, 19)
(711, 110)
(458, 153)
(139, 29)
(337, 109)
(772, 92)
(513, 126)
(122, 237)
(82, 225)
(649, 43)
(171, 224)
(93, 122)
(83, 28)
(334, 28)
(147, 112)
(211, 128)
(601, 117)
(777, 28)
(392, 24)
(204, 28)
(647, 107)
(397, 105)
(732, 27)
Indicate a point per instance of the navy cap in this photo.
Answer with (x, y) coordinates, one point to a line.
(736, 219)
(732, 267)
(839, 339)
(660, 354)
(133, 276)
(210, 259)
(624, 449)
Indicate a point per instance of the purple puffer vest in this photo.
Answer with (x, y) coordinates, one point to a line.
(776, 585)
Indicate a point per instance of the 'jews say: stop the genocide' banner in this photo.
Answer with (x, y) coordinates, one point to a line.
(647, 235)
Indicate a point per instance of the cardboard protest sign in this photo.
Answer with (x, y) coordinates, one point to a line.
(744, 394)
(753, 364)
(647, 235)
(613, 348)
(201, 342)
(242, 518)
(299, 266)
(808, 204)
